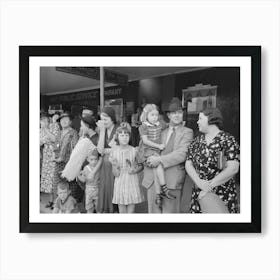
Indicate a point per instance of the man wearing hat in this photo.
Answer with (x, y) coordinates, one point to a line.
(176, 139)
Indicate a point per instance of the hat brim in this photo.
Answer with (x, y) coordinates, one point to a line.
(174, 110)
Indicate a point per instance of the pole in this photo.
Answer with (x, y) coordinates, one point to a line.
(101, 88)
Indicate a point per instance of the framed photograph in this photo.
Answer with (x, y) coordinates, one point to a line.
(81, 170)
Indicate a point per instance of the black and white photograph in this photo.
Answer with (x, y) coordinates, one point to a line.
(141, 140)
(162, 137)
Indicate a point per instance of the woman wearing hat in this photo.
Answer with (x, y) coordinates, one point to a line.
(48, 137)
(66, 144)
(212, 161)
(107, 129)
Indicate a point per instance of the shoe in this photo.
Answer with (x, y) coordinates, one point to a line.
(49, 205)
(165, 192)
(158, 201)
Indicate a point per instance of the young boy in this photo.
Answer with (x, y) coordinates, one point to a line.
(90, 175)
(64, 203)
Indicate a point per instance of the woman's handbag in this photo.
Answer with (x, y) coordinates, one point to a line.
(211, 203)
(222, 162)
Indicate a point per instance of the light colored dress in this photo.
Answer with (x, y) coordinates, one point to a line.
(126, 186)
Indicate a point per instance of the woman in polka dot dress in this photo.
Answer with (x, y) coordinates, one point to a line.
(212, 161)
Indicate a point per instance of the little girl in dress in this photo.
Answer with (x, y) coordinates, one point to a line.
(127, 191)
(150, 144)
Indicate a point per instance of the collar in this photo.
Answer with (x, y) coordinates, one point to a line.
(170, 127)
(63, 202)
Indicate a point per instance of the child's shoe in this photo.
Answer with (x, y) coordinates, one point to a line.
(158, 201)
(49, 205)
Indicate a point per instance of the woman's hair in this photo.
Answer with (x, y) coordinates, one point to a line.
(91, 126)
(110, 112)
(124, 127)
(214, 117)
(146, 110)
(63, 185)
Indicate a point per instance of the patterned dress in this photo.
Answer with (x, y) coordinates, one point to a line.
(48, 165)
(153, 133)
(206, 161)
(66, 143)
(126, 186)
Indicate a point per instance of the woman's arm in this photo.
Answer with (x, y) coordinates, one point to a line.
(101, 139)
(202, 184)
(231, 169)
(150, 143)
(97, 166)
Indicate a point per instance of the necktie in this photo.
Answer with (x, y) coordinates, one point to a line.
(170, 144)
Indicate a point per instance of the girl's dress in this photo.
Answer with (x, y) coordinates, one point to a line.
(48, 165)
(206, 161)
(126, 186)
(106, 188)
(66, 144)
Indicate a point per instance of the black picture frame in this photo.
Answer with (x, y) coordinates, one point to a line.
(254, 52)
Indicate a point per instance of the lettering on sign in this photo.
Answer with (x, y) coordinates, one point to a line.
(84, 95)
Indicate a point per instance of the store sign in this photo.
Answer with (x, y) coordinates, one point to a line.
(94, 73)
(85, 95)
(73, 97)
(113, 92)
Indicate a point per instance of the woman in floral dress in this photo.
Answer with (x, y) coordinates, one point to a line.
(68, 140)
(48, 137)
(212, 161)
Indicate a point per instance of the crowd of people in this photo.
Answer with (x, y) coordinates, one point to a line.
(99, 165)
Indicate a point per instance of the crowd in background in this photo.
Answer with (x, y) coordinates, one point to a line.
(106, 167)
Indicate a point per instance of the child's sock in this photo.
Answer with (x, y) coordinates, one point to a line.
(166, 193)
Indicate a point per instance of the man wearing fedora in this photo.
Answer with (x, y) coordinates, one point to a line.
(176, 139)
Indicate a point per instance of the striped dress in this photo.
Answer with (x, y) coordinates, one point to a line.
(153, 133)
(126, 186)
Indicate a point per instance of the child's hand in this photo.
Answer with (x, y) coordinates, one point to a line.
(114, 161)
(82, 176)
(116, 170)
(161, 147)
(131, 170)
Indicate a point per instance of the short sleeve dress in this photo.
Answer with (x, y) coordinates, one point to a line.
(126, 186)
(153, 133)
(206, 161)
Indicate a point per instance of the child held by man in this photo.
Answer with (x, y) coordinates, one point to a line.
(150, 145)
